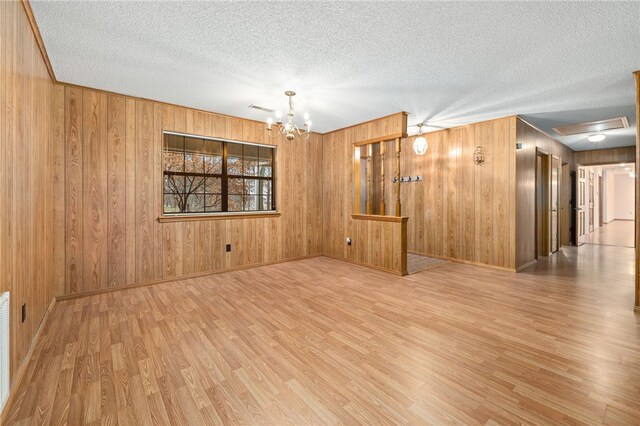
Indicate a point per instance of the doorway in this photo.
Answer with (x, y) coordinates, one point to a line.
(543, 203)
(610, 205)
(580, 206)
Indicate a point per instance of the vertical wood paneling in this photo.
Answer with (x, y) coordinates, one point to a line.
(502, 193)
(32, 181)
(374, 242)
(128, 154)
(73, 194)
(130, 191)
(625, 154)
(117, 193)
(464, 213)
(144, 191)
(531, 139)
(95, 196)
(59, 188)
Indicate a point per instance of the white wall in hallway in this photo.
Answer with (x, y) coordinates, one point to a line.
(624, 197)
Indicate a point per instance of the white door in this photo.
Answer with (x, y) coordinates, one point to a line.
(580, 205)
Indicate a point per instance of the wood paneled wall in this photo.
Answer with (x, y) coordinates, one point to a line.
(26, 179)
(625, 154)
(112, 189)
(461, 211)
(531, 138)
(375, 243)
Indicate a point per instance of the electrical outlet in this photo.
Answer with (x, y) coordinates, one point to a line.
(24, 312)
(228, 248)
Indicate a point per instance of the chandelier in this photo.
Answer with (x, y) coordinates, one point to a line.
(289, 129)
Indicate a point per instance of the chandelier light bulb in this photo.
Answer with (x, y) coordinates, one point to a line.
(278, 115)
(306, 116)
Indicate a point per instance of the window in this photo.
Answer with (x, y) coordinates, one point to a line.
(204, 175)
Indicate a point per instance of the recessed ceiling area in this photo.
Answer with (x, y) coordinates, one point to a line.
(448, 63)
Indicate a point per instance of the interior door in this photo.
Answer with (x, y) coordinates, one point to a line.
(565, 203)
(591, 202)
(580, 207)
(555, 203)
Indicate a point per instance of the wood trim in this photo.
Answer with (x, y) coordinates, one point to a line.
(526, 265)
(36, 33)
(464, 262)
(637, 280)
(380, 139)
(16, 382)
(191, 218)
(379, 218)
(180, 278)
(367, 265)
(403, 248)
(371, 121)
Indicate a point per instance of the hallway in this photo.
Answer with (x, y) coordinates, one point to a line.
(600, 273)
(616, 233)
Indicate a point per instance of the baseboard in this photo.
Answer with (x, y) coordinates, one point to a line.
(180, 278)
(464, 262)
(526, 265)
(366, 265)
(22, 369)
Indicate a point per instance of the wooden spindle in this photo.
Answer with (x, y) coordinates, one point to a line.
(398, 206)
(382, 205)
(369, 181)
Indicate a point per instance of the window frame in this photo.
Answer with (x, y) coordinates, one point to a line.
(224, 177)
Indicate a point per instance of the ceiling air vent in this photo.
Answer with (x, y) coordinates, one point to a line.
(252, 106)
(593, 126)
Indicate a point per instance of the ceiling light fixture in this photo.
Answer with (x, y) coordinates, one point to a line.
(597, 137)
(420, 144)
(289, 129)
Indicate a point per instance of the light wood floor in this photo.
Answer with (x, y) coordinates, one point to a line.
(615, 233)
(322, 341)
(418, 262)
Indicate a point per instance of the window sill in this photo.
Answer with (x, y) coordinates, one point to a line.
(214, 216)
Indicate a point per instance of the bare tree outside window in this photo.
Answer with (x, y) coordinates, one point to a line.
(205, 176)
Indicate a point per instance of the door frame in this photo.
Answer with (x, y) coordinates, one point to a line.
(600, 201)
(556, 164)
(579, 168)
(543, 203)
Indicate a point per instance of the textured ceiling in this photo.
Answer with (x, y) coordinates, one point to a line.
(450, 63)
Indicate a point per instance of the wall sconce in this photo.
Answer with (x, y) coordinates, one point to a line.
(420, 144)
(479, 156)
